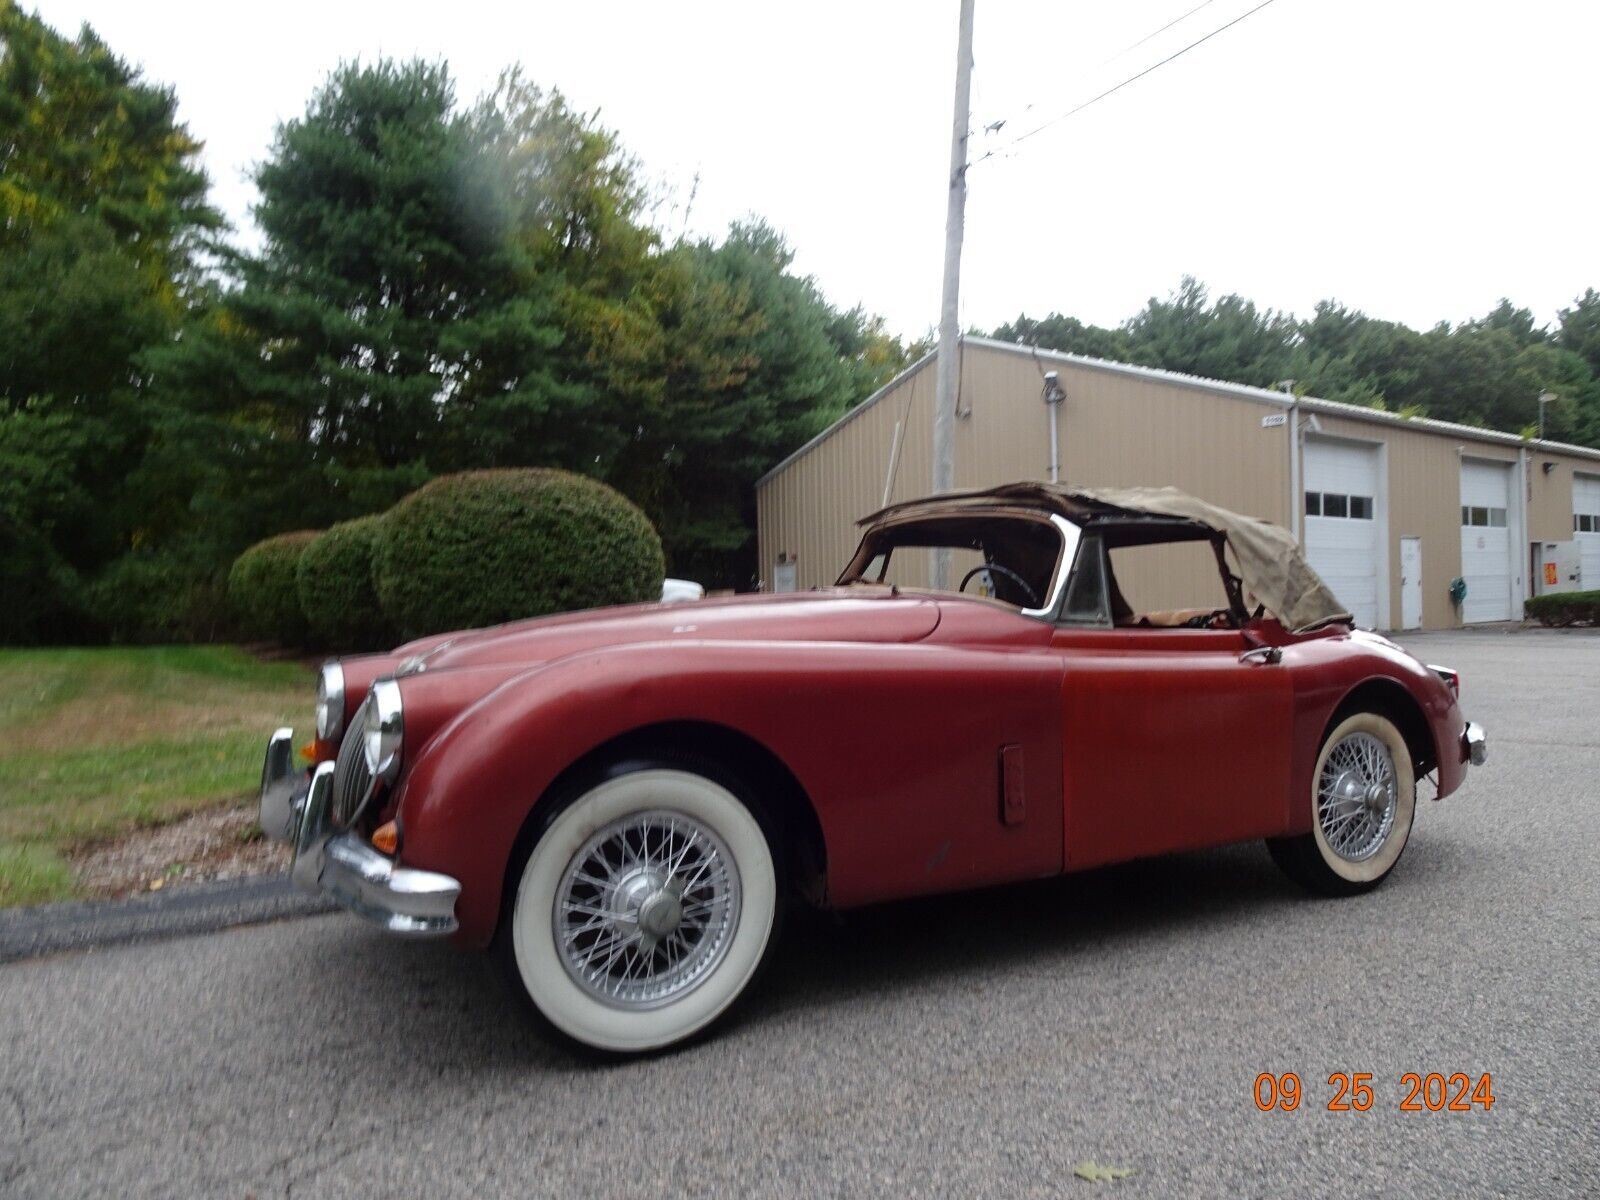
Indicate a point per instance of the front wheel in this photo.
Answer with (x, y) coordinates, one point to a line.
(1363, 799)
(644, 910)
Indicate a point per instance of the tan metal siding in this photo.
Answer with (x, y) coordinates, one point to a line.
(1550, 494)
(1121, 428)
(810, 508)
(1114, 430)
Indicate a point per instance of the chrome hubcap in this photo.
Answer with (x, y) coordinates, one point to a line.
(646, 909)
(1357, 796)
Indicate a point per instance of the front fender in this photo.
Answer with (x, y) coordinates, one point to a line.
(1327, 675)
(896, 746)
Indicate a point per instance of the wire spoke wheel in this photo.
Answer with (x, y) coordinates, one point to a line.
(1357, 796)
(646, 909)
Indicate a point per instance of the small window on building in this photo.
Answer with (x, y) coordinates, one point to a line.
(1585, 523)
(1466, 515)
(1497, 518)
(1361, 508)
(1313, 504)
(1335, 504)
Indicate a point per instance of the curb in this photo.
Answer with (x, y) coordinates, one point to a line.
(197, 908)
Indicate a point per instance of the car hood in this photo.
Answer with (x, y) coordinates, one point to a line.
(831, 615)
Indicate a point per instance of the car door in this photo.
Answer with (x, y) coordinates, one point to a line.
(1172, 739)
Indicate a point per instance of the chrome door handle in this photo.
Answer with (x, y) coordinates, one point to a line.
(1264, 654)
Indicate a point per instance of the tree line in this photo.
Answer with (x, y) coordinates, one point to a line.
(443, 284)
(439, 285)
(1488, 372)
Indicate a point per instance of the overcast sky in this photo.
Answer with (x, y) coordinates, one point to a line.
(1417, 159)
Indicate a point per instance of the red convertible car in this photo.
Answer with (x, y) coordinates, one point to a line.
(620, 802)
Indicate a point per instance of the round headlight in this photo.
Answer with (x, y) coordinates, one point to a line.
(330, 702)
(381, 730)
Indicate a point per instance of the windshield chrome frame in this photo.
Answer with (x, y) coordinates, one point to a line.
(1070, 537)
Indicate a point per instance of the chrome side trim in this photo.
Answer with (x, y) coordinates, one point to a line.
(1474, 744)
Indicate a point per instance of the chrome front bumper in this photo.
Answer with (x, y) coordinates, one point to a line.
(1474, 744)
(294, 809)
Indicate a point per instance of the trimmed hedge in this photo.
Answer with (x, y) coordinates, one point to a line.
(158, 597)
(1565, 608)
(334, 583)
(483, 547)
(263, 591)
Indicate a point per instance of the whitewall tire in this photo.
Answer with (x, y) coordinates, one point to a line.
(644, 910)
(1363, 801)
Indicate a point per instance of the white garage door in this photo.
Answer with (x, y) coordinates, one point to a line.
(1341, 529)
(1485, 540)
(1586, 526)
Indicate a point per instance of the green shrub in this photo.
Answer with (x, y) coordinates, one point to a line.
(334, 578)
(1565, 608)
(146, 597)
(41, 596)
(488, 546)
(263, 592)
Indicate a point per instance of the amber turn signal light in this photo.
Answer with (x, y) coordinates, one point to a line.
(387, 837)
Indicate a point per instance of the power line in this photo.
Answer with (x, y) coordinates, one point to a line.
(1159, 32)
(992, 127)
(1111, 91)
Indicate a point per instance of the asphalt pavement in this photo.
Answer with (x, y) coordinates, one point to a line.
(977, 1045)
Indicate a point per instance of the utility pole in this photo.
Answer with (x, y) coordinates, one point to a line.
(949, 363)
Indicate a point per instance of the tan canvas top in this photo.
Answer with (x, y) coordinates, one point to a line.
(1270, 563)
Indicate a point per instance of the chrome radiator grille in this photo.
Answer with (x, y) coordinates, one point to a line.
(352, 782)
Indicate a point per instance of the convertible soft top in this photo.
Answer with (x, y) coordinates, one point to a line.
(1271, 565)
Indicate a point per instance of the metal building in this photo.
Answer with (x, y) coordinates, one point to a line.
(1391, 509)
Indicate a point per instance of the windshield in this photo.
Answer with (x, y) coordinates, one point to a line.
(1012, 559)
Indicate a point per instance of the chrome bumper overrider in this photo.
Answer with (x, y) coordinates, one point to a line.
(294, 809)
(1474, 744)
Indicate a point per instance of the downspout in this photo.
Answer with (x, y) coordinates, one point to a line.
(1523, 550)
(1294, 470)
(1055, 447)
(1287, 386)
(1053, 397)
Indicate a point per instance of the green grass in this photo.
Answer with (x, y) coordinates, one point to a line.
(95, 742)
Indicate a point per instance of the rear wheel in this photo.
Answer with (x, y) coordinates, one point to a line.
(644, 909)
(1363, 799)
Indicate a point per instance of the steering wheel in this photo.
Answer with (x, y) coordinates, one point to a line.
(1033, 600)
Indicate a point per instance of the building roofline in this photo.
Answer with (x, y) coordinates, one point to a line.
(1333, 408)
(850, 415)
(1259, 395)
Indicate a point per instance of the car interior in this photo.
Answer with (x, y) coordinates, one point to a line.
(1009, 559)
(1175, 572)
(1128, 572)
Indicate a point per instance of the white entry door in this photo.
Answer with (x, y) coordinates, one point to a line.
(1486, 540)
(1410, 583)
(1342, 490)
(1586, 527)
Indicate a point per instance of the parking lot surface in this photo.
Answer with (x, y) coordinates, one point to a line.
(976, 1045)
